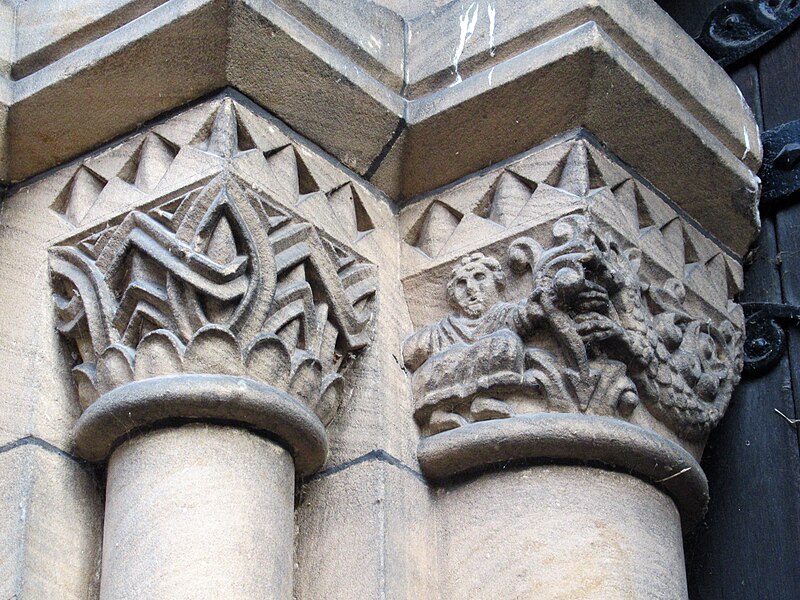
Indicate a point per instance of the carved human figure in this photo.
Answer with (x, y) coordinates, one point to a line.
(482, 342)
(590, 337)
(474, 292)
(484, 351)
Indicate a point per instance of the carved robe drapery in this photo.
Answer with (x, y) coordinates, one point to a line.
(458, 329)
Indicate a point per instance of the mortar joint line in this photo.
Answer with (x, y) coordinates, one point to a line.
(377, 455)
(45, 445)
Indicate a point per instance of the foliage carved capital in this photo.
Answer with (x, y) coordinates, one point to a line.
(583, 319)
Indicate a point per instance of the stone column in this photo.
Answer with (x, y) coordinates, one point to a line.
(213, 328)
(193, 509)
(581, 345)
(577, 336)
(559, 531)
(199, 511)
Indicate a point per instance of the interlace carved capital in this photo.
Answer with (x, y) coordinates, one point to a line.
(215, 303)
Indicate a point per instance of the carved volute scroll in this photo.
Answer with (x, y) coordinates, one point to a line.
(583, 314)
(218, 302)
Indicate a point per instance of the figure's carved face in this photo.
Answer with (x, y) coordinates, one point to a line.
(475, 289)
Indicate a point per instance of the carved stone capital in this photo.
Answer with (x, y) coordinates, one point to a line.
(215, 302)
(582, 317)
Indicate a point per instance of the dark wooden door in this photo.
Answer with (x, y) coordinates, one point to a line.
(748, 547)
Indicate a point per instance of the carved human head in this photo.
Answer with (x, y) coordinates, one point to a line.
(475, 284)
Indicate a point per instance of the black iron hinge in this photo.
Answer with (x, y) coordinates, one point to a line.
(780, 172)
(765, 342)
(736, 28)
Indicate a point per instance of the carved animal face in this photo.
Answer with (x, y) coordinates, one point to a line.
(475, 289)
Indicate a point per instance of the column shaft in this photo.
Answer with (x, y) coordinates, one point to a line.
(559, 533)
(198, 512)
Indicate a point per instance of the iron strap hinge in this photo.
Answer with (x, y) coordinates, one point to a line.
(765, 341)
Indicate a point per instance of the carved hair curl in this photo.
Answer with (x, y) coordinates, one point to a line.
(468, 263)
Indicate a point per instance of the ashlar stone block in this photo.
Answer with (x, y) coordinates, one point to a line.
(381, 515)
(51, 521)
